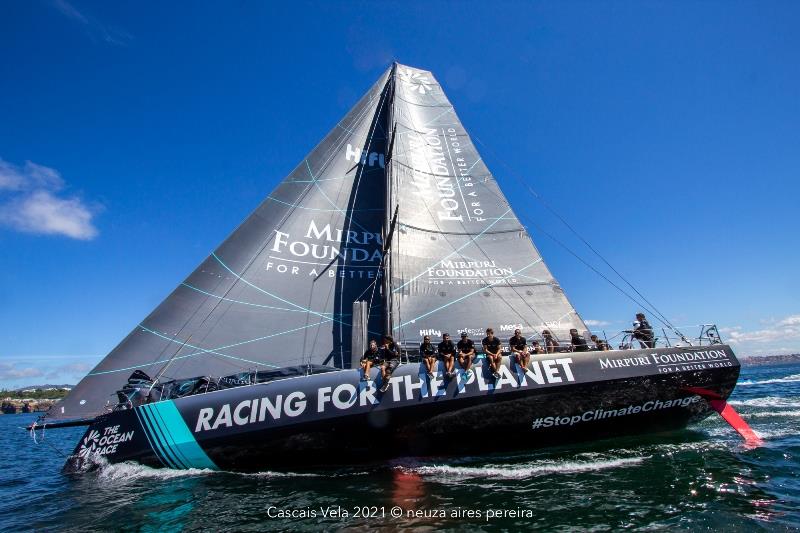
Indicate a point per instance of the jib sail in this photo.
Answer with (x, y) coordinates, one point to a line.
(460, 259)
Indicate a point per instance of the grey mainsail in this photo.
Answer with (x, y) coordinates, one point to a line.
(279, 290)
(461, 260)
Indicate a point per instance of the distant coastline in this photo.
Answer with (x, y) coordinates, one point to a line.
(753, 360)
(33, 399)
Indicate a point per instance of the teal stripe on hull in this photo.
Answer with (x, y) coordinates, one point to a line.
(154, 444)
(160, 439)
(165, 419)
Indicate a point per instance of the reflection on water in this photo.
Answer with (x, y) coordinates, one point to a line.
(699, 478)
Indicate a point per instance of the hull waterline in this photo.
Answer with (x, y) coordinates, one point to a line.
(335, 418)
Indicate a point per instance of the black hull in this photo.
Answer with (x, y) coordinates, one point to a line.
(304, 422)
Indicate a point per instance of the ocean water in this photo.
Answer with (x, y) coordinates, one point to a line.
(700, 478)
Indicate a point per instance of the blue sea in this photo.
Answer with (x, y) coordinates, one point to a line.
(698, 479)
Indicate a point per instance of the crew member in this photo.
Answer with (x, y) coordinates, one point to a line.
(390, 359)
(578, 342)
(536, 348)
(600, 345)
(550, 343)
(644, 332)
(428, 353)
(371, 356)
(466, 352)
(493, 349)
(519, 349)
(447, 353)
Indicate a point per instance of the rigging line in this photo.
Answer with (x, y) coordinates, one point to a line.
(593, 269)
(256, 287)
(533, 223)
(245, 303)
(579, 236)
(211, 351)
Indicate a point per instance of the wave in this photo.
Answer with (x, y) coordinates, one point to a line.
(772, 414)
(768, 434)
(133, 471)
(768, 401)
(521, 472)
(788, 379)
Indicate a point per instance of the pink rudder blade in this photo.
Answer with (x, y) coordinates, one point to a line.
(732, 417)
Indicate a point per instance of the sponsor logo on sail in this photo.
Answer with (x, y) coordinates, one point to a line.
(321, 246)
(362, 157)
(457, 272)
(416, 81)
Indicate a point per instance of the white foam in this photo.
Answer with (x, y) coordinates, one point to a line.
(788, 379)
(133, 471)
(771, 414)
(768, 401)
(270, 474)
(521, 472)
(768, 434)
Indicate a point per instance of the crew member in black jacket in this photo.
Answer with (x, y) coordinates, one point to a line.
(493, 349)
(644, 332)
(466, 351)
(428, 354)
(578, 342)
(390, 359)
(519, 349)
(447, 351)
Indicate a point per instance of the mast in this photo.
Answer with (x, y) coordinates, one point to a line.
(389, 211)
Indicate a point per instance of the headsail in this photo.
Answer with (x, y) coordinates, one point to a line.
(279, 290)
(461, 260)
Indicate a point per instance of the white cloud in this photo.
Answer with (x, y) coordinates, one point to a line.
(596, 323)
(67, 372)
(10, 371)
(781, 336)
(32, 202)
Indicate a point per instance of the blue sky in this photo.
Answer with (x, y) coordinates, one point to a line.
(135, 136)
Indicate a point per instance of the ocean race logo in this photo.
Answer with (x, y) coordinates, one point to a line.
(347, 396)
(96, 444)
(322, 246)
(415, 81)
